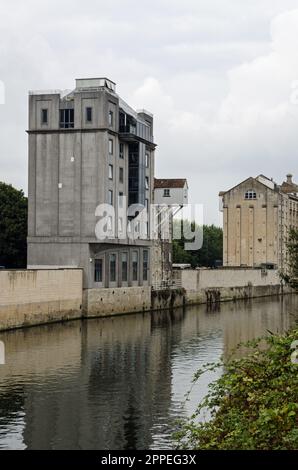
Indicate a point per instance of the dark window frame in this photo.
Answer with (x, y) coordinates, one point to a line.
(124, 264)
(98, 272)
(121, 174)
(44, 116)
(145, 265)
(66, 116)
(111, 118)
(111, 147)
(114, 270)
(89, 115)
(135, 266)
(111, 172)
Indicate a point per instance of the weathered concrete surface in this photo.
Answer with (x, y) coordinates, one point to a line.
(104, 302)
(214, 285)
(32, 297)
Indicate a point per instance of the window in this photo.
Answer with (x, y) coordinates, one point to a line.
(111, 118)
(44, 116)
(120, 199)
(251, 194)
(146, 182)
(110, 172)
(121, 150)
(111, 150)
(145, 265)
(124, 268)
(121, 173)
(147, 204)
(110, 201)
(113, 267)
(98, 270)
(66, 118)
(135, 263)
(147, 160)
(166, 193)
(89, 114)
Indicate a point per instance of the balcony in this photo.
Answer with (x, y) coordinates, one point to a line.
(135, 132)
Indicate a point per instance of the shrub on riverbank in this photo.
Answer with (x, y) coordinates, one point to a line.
(254, 404)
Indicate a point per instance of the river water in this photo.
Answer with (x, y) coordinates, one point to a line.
(120, 383)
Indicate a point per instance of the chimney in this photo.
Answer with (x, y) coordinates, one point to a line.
(289, 178)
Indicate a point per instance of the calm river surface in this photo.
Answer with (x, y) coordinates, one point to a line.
(119, 383)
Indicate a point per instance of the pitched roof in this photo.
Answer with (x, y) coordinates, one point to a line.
(253, 180)
(169, 183)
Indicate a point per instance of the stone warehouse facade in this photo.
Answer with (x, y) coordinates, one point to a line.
(88, 147)
(257, 217)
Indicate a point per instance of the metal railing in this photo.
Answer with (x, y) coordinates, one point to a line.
(167, 284)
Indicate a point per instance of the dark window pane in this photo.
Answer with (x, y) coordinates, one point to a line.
(88, 114)
(145, 265)
(113, 268)
(135, 263)
(124, 267)
(44, 116)
(98, 270)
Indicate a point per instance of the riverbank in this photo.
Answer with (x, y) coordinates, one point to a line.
(33, 297)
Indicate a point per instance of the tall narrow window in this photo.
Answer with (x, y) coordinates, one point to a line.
(145, 265)
(124, 268)
(110, 172)
(120, 199)
(111, 149)
(110, 200)
(98, 270)
(44, 116)
(146, 182)
(121, 150)
(147, 160)
(88, 115)
(121, 173)
(111, 118)
(66, 118)
(135, 265)
(112, 267)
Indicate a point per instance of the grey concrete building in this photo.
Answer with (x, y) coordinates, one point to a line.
(88, 147)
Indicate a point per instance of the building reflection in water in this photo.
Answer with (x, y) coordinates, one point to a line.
(119, 383)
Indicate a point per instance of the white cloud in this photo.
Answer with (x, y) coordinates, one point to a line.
(216, 74)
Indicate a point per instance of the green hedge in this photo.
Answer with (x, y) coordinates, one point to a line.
(253, 405)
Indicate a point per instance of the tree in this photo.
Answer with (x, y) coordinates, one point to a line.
(210, 252)
(292, 246)
(13, 227)
(253, 405)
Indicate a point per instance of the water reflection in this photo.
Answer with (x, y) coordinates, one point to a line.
(119, 383)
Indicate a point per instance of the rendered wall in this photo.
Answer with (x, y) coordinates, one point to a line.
(32, 297)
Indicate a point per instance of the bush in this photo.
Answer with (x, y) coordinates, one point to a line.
(253, 405)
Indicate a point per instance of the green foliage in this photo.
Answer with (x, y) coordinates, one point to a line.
(13, 227)
(292, 246)
(210, 252)
(253, 405)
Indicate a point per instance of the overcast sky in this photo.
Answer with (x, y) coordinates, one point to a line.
(219, 76)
